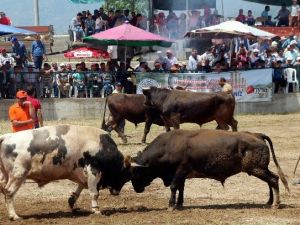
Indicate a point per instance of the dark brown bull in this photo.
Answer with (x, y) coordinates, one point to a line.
(176, 107)
(130, 107)
(180, 154)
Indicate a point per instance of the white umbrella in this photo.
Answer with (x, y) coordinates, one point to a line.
(232, 27)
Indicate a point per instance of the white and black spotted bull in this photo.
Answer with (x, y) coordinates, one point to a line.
(85, 155)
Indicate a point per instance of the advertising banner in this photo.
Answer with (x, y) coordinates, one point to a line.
(248, 86)
(181, 4)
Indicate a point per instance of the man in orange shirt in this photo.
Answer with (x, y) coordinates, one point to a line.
(22, 114)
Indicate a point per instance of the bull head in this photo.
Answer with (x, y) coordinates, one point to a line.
(129, 163)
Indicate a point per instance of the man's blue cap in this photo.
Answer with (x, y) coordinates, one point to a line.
(13, 39)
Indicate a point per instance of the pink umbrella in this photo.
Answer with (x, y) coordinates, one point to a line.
(128, 35)
(85, 52)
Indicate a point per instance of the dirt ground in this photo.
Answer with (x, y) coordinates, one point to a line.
(241, 201)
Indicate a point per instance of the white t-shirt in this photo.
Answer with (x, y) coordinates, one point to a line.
(112, 51)
(295, 10)
(193, 62)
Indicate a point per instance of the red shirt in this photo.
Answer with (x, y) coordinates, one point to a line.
(36, 105)
(241, 18)
(5, 21)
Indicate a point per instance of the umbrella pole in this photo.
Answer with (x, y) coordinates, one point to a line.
(125, 57)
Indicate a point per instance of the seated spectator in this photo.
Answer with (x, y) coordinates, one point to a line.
(265, 14)
(217, 68)
(283, 16)
(31, 78)
(63, 81)
(78, 81)
(194, 59)
(157, 68)
(6, 72)
(89, 25)
(291, 52)
(171, 59)
(242, 58)
(183, 68)
(250, 20)
(268, 58)
(241, 17)
(294, 16)
(5, 57)
(211, 57)
(269, 22)
(207, 68)
(5, 20)
(280, 56)
(161, 59)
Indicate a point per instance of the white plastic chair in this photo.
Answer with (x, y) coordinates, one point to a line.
(291, 76)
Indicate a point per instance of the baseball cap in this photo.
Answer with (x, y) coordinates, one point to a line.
(21, 94)
(62, 64)
(118, 84)
(13, 39)
(293, 42)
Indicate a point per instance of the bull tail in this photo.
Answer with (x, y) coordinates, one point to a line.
(279, 170)
(103, 119)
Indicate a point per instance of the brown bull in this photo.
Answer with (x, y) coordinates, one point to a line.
(129, 107)
(176, 107)
(180, 154)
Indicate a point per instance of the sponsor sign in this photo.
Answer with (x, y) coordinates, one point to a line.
(248, 86)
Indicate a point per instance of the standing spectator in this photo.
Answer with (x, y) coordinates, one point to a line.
(265, 14)
(38, 52)
(4, 19)
(55, 70)
(100, 24)
(21, 114)
(6, 74)
(283, 16)
(111, 19)
(278, 76)
(241, 17)
(19, 78)
(38, 121)
(19, 51)
(194, 59)
(250, 20)
(113, 54)
(226, 87)
(89, 25)
(141, 21)
(77, 29)
(182, 25)
(292, 52)
(172, 24)
(171, 59)
(78, 81)
(294, 16)
(46, 81)
(4, 57)
(102, 14)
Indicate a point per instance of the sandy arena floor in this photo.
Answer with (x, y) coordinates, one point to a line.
(241, 201)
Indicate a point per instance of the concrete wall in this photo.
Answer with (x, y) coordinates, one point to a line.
(54, 109)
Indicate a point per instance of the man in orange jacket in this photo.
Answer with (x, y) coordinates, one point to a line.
(22, 113)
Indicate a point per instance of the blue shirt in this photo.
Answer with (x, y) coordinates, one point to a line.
(38, 48)
(19, 49)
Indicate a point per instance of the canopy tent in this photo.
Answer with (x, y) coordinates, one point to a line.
(127, 35)
(85, 52)
(183, 4)
(232, 28)
(272, 2)
(4, 30)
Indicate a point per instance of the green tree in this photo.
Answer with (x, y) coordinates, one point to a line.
(140, 6)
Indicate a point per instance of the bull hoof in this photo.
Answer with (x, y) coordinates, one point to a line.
(171, 208)
(15, 218)
(276, 206)
(179, 207)
(71, 201)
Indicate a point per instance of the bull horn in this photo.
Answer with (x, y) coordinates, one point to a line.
(133, 164)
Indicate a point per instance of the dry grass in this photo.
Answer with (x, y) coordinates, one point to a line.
(241, 201)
